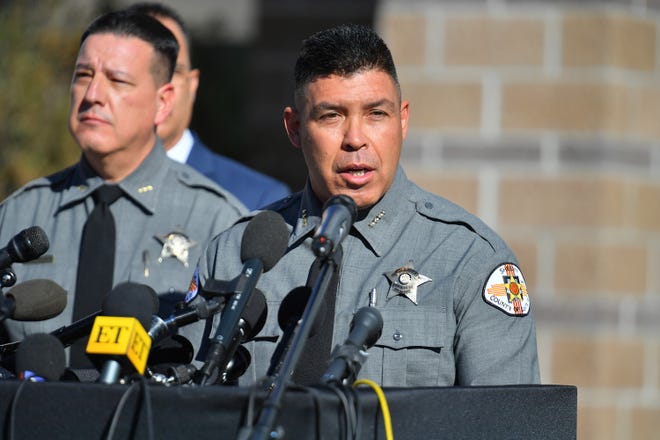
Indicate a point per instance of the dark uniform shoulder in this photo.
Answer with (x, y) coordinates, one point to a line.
(287, 207)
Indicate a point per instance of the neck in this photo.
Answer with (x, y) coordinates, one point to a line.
(116, 166)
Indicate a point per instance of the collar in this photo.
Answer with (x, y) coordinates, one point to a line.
(380, 226)
(181, 150)
(142, 186)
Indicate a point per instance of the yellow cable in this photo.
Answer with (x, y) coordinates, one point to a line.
(383, 405)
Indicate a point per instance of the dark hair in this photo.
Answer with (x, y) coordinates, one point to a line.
(159, 10)
(342, 50)
(146, 28)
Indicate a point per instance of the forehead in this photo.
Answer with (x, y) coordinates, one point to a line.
(361, 87)
(109, 49)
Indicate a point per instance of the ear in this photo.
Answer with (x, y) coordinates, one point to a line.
(292, 126)
(193, 82)
(165, 96)
(405, 114)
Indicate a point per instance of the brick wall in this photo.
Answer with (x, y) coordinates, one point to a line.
(543, 118)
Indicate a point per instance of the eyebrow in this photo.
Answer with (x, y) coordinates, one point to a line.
(119, 72)
(325, 105)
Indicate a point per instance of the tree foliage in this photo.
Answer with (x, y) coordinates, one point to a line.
(38, 50)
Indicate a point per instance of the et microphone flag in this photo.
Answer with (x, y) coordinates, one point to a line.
(120, 336)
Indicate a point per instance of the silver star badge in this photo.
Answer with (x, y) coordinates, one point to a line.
(175, 244)
(405, 281)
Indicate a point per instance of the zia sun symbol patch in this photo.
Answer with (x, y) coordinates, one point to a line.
(506, 290)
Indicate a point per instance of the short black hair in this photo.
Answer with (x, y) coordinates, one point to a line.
(342, 50)
(159, 10)
(146, 28)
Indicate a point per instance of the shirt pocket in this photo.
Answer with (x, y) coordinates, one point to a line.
(412, 349)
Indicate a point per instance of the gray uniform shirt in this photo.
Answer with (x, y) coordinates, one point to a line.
(164, 202)
(450, 336)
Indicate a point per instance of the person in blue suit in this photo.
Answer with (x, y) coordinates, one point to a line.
(251, 187)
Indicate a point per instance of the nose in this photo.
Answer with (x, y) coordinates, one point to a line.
(354, 135)
(95, 90)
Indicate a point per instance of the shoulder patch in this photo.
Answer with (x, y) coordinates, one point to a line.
(506, 290)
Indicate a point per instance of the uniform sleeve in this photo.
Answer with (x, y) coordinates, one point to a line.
(491, 346)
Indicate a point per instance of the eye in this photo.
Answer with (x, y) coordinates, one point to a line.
(378, 114)
(329, 116)
(79, 74)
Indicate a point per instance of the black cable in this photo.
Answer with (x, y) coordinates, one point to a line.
(349, 414)
(13, 411)
(146, 397)
(118, 410)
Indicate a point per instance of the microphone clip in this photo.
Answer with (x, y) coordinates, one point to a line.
(7, 277)
(353, 356)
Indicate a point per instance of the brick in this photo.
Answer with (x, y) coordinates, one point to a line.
(603, 39)
(597, 423)
(460, 189)
(648, 207)
(444, 105)
(570, 201)
(648, 114)
(487, 41)
(601, 269)
(597, 363)
(646, 423)
(505, 152)
(405, 35)
(567, 106)
(594, 152)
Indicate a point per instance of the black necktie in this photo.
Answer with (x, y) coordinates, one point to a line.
(313, 360)
(96, 264)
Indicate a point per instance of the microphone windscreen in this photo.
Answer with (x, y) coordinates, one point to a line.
(37, 300)
(293, 306)
(255, 314)
(29, 244)
(265, 238)
(42, 355)
(175, 349)
(133, 300)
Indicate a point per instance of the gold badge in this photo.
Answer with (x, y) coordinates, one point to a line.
(175, 244)
(405, 281)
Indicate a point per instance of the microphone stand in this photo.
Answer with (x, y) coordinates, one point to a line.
(277, 385)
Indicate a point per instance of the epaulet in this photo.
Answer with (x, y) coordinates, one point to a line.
(440, 209)
(281, 205)
(287, 207)
(56, 180)
(194, 179)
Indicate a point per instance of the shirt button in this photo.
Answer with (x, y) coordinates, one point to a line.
(397, 335)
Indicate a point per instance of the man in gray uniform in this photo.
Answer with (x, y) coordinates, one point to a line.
(166, 213)
(455, 306)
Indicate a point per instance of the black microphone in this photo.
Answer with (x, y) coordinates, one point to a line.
(120, 331)
(33, 300)
(263, 244)
(195, 310)
(339, 214)
(27, 245)
(40, 358)
(347, 359)
(220, 354)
